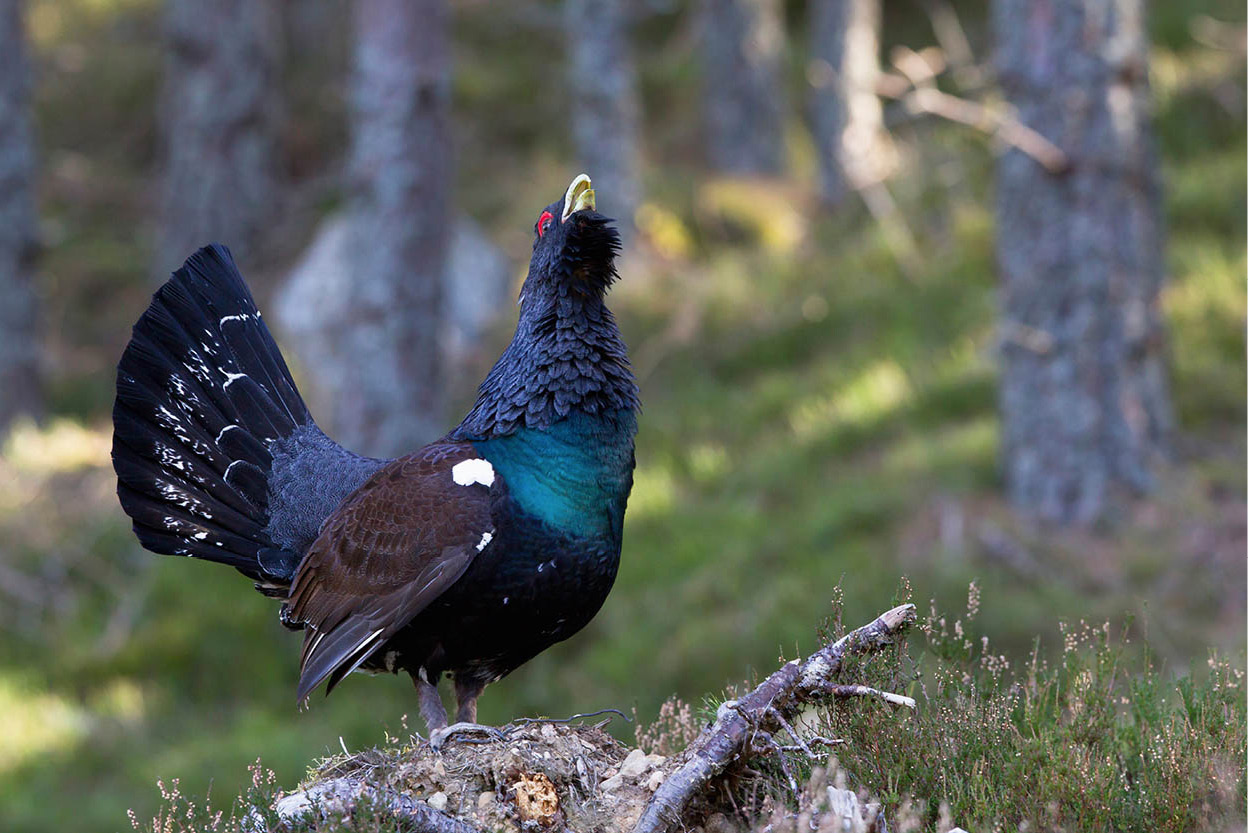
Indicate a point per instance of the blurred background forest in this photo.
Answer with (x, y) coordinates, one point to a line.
(896, 306)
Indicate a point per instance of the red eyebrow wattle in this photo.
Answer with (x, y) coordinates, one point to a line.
(541, 223)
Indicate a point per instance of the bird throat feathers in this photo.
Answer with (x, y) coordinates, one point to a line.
(567, 358)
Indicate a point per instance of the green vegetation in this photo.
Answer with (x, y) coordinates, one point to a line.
(814, 415)
(1097, 739)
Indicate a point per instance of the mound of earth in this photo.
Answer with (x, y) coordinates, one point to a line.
(537, 776)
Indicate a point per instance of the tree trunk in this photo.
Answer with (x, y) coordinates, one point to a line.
(314, 302)
(1084, 403)
(20, 391)
(743, 101)
(218, 121)
(389, 381)
(845, 113)
(605, 111)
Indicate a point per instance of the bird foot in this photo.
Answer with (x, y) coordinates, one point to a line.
(439, 737)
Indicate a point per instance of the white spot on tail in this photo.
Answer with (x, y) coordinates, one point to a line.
(474, 471)
(221, 433)
(229, 377)
(239, 317)
(485, 539)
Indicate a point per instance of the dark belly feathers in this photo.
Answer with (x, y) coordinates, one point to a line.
(531, 587)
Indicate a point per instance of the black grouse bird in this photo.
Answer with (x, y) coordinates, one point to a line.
(469, 556)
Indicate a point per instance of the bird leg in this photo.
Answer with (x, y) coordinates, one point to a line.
(431, 706)
(466, 693)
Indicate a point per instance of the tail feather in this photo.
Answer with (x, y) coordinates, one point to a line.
(203, 396)
(243, 334)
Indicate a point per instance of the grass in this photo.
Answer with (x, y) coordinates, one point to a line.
(1096, 739)
(814, 416)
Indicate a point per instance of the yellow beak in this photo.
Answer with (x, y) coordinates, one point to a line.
(580, 195)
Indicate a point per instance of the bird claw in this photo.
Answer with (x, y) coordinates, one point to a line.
(439, 737)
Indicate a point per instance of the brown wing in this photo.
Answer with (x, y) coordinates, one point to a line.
(393, 547)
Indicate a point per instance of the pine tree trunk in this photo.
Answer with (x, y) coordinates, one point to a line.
(217, 113)
(741, 50)
(389, 382)
(20, 391)
(845, 113)
(605, 111)
(1084, 402)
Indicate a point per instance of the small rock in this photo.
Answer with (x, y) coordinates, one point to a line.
(437, 801)
(655, 780)
(656, 759)
(485, 800)
(845, 809)
(634, 765)
(292, 806)
(612, 783)
(549, 731)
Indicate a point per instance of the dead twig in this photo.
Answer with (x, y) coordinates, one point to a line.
(793, 734)
(953, 41)
(856, 691)
(1004, 127)
(805, 745)
(520, 722)
(916, 89)
(780, 695)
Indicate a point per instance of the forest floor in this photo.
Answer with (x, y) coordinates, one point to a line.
(816, 415)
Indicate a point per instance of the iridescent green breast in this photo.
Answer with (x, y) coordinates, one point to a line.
(574, 474)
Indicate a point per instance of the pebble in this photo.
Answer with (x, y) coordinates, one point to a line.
(485, 799)
(293, 805)
(634, 765)
(656, 779)
(437, 801)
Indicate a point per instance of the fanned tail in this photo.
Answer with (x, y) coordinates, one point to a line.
(204, 399)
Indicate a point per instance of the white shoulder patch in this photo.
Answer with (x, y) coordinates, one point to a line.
(474, 471)
(485, 539)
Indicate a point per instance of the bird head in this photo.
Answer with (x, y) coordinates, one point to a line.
(574, 247)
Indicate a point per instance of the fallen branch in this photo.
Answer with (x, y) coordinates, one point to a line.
(851, 690)
(341, 796)
(760, 713)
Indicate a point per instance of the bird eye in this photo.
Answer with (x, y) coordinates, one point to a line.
(543, 223)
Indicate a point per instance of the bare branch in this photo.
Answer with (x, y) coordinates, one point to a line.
(855, 691)
(914, 85)
(1006, 128)
(779, 696)
(953, 41)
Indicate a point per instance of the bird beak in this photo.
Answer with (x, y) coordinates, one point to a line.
(580, 196)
